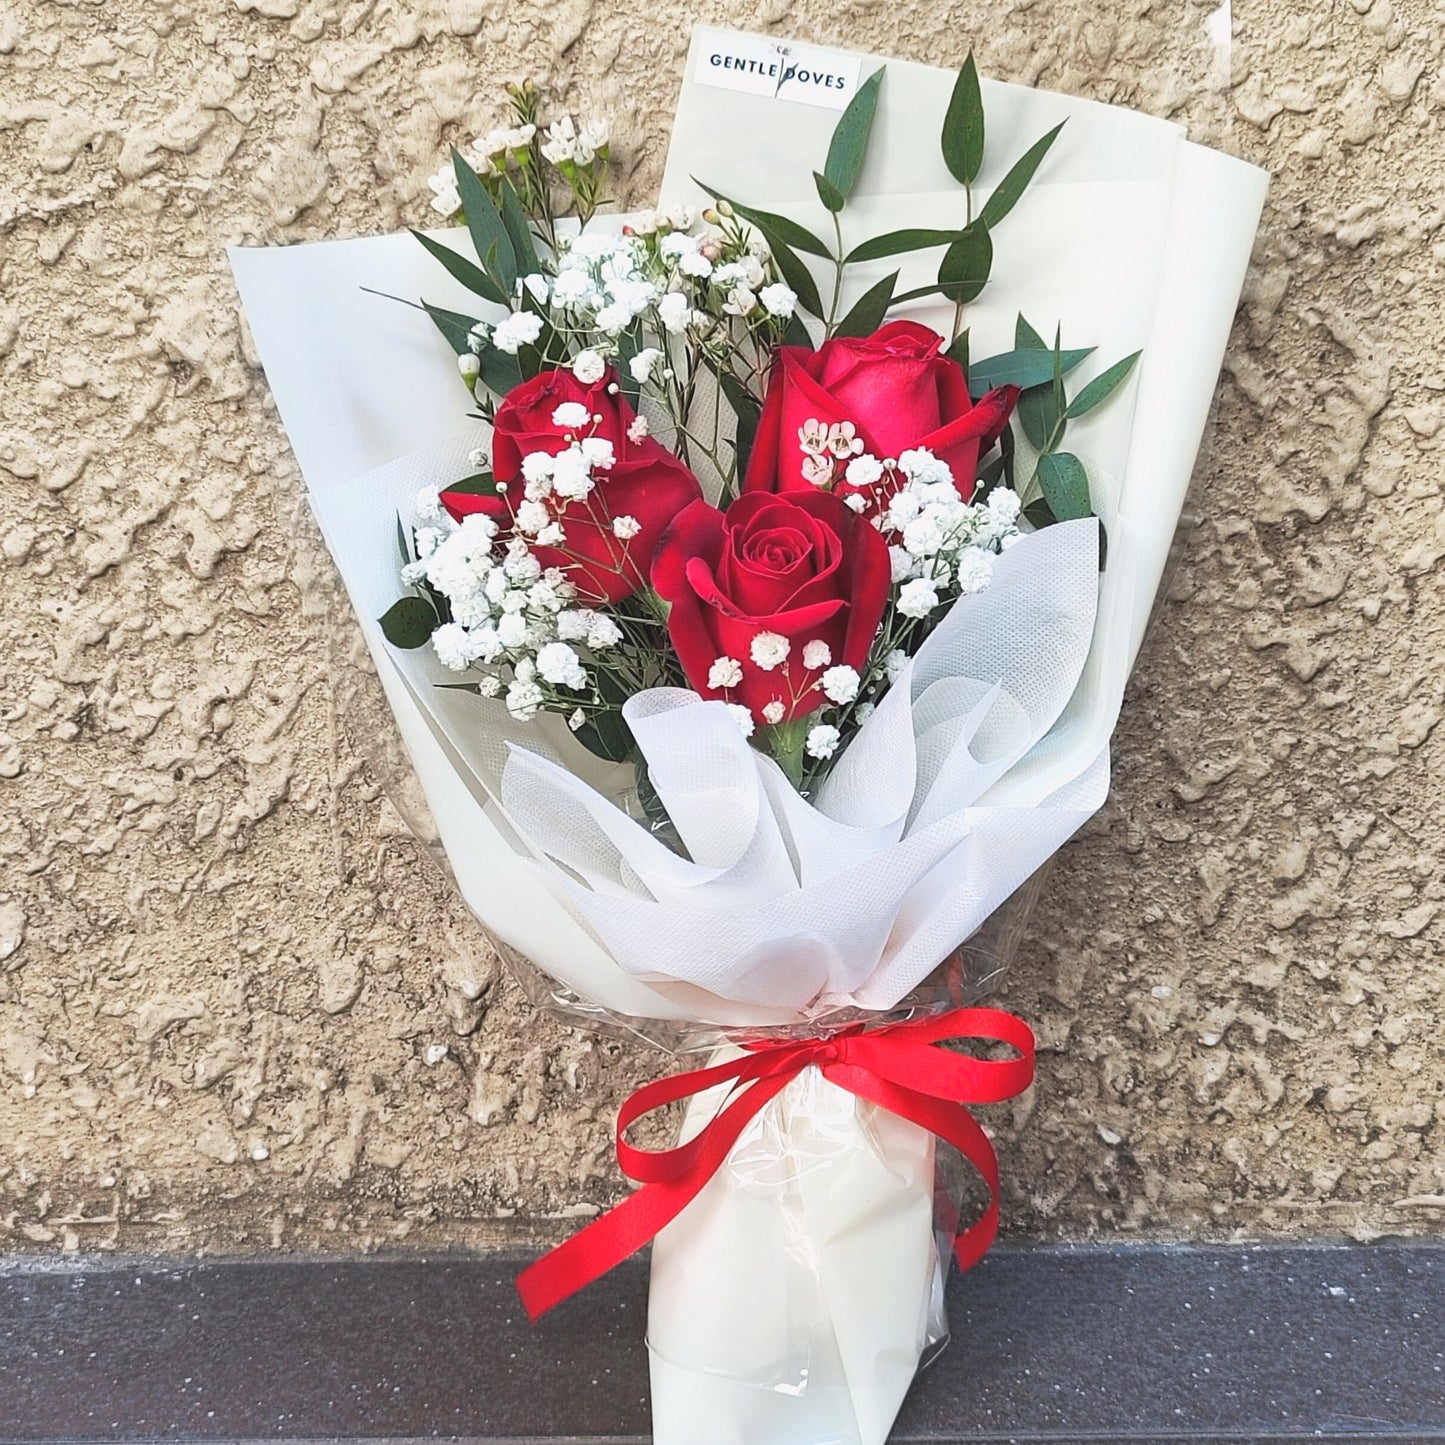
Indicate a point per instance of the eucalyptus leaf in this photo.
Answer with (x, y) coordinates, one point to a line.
(867, 313)
(987, 478)
(458, 687)
(894, 243)
(1007, 449)
(484, 224)
(828, 193)
(1013, 185)
(963, 126)
(773, 226)
(1065, 486)
(1102, 387)
(1031, 366)
(1039, 514)
(963, 272)
(850, 138)
(957, 350)
(1037, 413)
(1026, 338)
(795, 333)
(748, 413)
(403, 541)
(501, 371)
(408, 623)
(797, 276)
(519, 232)
(479, 484)
(467, 272)
(629, 343)
(456, 327)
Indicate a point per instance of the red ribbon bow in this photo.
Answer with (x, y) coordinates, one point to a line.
(898, 1067)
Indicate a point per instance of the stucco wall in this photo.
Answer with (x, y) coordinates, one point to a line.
(238, 1004)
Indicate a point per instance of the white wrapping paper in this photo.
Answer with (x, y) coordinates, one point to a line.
(791, 1301)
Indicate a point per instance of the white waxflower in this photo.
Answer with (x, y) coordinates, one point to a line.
(453, 647)
(823, 741)
(625, 527)
(774, 712)
(469, 366)
(816, 654)
(676, 245)
(725, 672)
(519, 329)
(571, 414)
(560, 665)
(524, 700)
(561, 142)
(975, 570)
(647, 223)
(778, 300)
(840, 684)
(613, 317)
(642, 364)
(674, 311)
(602, 632)
(694, 263)
(864, 471)
(742, 717)
(681, 218)
(769, 650)
(730, 273)
(445, 200)
(589, 367)
(917, 598)
(595, 134)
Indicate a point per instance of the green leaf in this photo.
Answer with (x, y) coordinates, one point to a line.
(1037, 413)
(469, 274)
(1006, 449)
(1026, 338)
(408, 623)
(1031, 366)
(867, 313)
(1066, 486)
(1038, 513)
(458, 687)
(789, 232)
(629, 343)
(894, 243)
(794, 271)
(963, 126)
(484, 224)
(850, 137)
(963, 272)
(747, 411)
(501, 371)
(1060, 400)
(1013, 185)
(987, 478)
(479, 484)
(456, 327)
(518, 231)
(828, 193)
(1102, 387)
(795, 333)
(403, 541)
(958, 351)
(605, 734)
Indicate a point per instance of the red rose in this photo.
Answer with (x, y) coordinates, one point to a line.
(896, 389)
(801, 568)
(645, 482)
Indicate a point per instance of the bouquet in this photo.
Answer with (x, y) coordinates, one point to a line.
(758, 640)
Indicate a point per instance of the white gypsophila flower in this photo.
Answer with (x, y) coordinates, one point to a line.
(453, 647)
(778, 300)
(900, 564)
(840, 684)
(893, 664)
(578, 720)
(511, 630)
(571, 414)
(823, 741)
(729, 274)
(917, 598)
(537, 284)
(774, 712)
(573, 287)
(637, 429)
(903, 507)
(975, 570)
(769, 650)
(572, 625)
(863, 470)
(642, 364)
(927, 534)
(647, 223)
(725, 672)
(552, 536)
(531, 517)
(537, 466)
(524, 700)
(546, 597)
(674, 311)
(598, 452)
(478, 458)
(856, 502)
(603, 632)
(634, 293)
(740, 302)
(816, 654)
(519, 329)
(490, 685)
(742, 717)
(589, 367)
(428, 539)
(413, 572)
(429, 504)
(863, 712)
(470, 367)
(1004, 505)
(477, 337)
(694, 263)
(920, 465)
(625, 527)
(571, 474)
(559, 664)
(676, 245)
(613, 317)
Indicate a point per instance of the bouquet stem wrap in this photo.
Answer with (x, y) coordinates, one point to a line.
(794, 1270)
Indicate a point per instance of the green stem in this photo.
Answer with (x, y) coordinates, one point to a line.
(785, 742)
(837, 275)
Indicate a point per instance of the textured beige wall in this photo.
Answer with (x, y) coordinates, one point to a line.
(238, 1005)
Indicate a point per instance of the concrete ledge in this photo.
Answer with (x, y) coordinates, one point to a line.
(1095, 1343)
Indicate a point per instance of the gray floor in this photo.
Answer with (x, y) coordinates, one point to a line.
(1132, 1343)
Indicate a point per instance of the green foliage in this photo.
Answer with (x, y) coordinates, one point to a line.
(408, 623)
(963, 126)
(850, 138)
